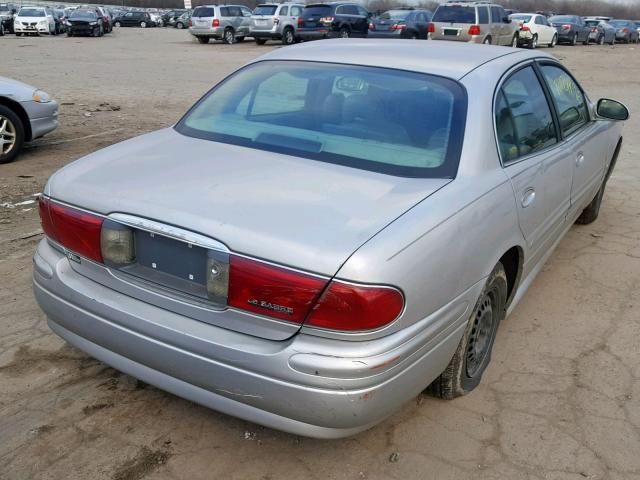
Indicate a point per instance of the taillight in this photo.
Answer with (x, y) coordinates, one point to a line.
(398, 26)
(190, 23)
(431, 28)
(372, 26)
(270, 290)
(594, 29)
(215, 22)
(326, 20)
(625, 30)
(73, 229)
(300, 21)
(524, 28)
(350, 307)
(566, 27)
(276, 21)
(474, 30)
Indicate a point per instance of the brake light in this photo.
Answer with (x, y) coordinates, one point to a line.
(566, 27)
(190, 23)
(270, 290)
(326, 20)
(594, 29)
(625, 30)
(431, 28)
(474, 30)
(349, 307)
(73, 229)
(524, 28)
(372, 26)
(215, 22)
(398, 26)
(300, 21)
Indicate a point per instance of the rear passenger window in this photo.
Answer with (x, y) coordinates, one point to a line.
(284, 11)
(495, 15)
(224, 11)
(350, 10)
(531, 127)
(568, 98)
(483, 15)
(296, 11)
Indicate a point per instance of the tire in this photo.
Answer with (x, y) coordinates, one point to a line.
(344, 33)
(554, 41)
(473, 354)
(101, 31)
(12, 130)
(18, 34)
(69, 34)
(590, 213)
(574, 40)
(601, 40)
(117, 24)
(288, 37)
(228, 36)
(586, 41)
(143, 24)
(533, 44)
(487, 41)
(203, 39)
(514, 41)
(179, 25)
(262, 41)
(1, 30)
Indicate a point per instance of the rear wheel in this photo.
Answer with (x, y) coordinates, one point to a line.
(514, 41)
(180, 25)
(117, 24)
(203, 39)
(554, 41)
(288, 37)
(228, 37)
(143, 24)
(487, 41)
(574, 40)
(11, 135)
(586, 41)
(601, 40)
(473, 354)
(261, 41)
(534, 42)
(344, 32)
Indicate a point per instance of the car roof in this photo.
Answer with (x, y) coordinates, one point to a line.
(446, 59)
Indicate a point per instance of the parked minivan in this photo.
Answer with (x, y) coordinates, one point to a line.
(228, 23)
(273, 21)
(475, 22)
(335, 19)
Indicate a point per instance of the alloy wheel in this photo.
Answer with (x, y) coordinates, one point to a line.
(228, 37)
(7, 135)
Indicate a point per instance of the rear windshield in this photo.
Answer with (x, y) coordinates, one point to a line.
(31, 12)
(203, 12)
(396, 14)
(563, 19)
(521, 18)
(316, 10)
(265, 10)
(592, 23)
(371, 118)
(619, 23)
(453, 14)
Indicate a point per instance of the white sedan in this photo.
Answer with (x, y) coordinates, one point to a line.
(34, 20)
(535, 30)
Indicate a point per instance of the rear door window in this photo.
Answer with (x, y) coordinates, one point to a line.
(568, 98)
(284, 10)
(455, 14)
(483, 15)
(532, 121)
(495, 15)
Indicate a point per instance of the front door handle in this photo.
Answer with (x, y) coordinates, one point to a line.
(528, 197)
(579, 159)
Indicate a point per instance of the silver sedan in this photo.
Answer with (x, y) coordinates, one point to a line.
(320, 238)
(26, 113)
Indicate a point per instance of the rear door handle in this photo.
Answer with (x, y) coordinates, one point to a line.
(528, 197)
(579, 159)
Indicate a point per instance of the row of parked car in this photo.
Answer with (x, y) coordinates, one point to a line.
(472, 21)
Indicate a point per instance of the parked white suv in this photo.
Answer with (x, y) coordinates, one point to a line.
(273, 21)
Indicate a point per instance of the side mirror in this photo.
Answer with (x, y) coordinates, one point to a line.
(506, 19)
(612, 110)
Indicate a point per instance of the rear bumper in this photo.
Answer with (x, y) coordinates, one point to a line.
(306, 385)
(269, 34)
(213, 32)
(385, 34)
(313, 34)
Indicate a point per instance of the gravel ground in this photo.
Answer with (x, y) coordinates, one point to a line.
(560, 400)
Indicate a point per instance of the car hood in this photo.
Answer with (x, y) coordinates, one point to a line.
(303, 213)
(15, 89)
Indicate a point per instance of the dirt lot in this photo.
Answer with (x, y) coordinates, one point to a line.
(561, 399)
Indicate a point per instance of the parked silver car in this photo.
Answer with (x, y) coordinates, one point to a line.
(317, 240)
(275, 21)
(475, 22)
(26, 113)
(229, 23)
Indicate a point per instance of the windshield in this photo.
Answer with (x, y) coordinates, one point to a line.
(395, 14)
(203, 12)
(562, 19)
(265, 10)
(83, 14)
(389, 121)
(521, 18)
(455, 15)
(619, 23)
(32, 12)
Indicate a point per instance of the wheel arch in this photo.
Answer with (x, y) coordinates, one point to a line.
(513, 261)
(21, 113)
